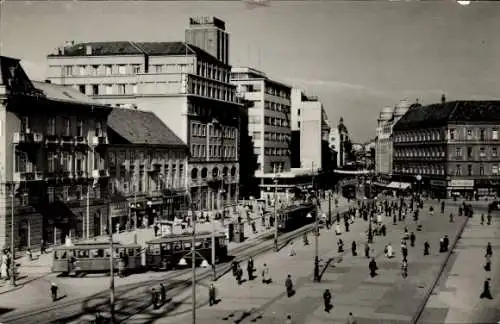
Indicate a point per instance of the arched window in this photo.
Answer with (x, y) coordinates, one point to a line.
(204, 173)
(225, 171)
(194, 173)
(215, 172)
(233, 171)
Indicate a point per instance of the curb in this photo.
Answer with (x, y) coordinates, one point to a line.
(416, 317)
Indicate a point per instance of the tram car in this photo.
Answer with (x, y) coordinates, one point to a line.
(166, 252)
(294, 217)
(93, 257)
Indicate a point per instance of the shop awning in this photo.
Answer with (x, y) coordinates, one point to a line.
(399, 185)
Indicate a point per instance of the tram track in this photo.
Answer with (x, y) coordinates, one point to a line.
(59, 311)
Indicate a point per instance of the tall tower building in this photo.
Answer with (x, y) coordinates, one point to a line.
(209, 34)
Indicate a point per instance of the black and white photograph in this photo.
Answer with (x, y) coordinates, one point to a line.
(249, 161)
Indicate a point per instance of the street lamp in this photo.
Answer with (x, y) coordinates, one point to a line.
(12, 188)
(275, 181)
(329, 208)
(111, 271)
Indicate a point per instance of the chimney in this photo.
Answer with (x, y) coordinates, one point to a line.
(443, 98)
(88, 49)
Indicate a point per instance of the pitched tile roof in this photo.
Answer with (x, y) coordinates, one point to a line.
(451, 111)
(141, 127)
(136, 48)
(64, 93)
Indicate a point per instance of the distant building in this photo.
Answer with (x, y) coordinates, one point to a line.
(269, 118)
(388, 117)
(337, 140)
(147, 164)
(186, 84)
(53, 159)
(452, 147)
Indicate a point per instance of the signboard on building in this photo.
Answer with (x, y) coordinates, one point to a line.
(118, 209)
(438, 183)
(461, 183)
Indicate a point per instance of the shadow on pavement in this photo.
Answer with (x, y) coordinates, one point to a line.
(5, 310)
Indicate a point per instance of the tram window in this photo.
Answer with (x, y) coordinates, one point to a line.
(107, 253)
(131, 252)
(166, 246)
(199, 244)
(116, 253)
(177, 246)
(207, 243)
(187, 245)
(93, 253)
(137, 251)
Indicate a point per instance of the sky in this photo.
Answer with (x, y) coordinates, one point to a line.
(357, 56)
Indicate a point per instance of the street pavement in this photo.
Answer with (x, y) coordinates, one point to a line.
(456, 298)
(35, 293)
(387, 298)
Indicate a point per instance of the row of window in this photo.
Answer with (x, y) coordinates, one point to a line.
(273, 151)
(217, 151)
(471, 134)
(483, 152)
(200, 130)
(67, 128)
(256, 87)
(144, 156)
(427, 135)
(211, 90)
(195, 173)
(63, 161)
(203, 69)
(68, 193)
(142, 183)
(278, 167)
(459, 170)
(275, 121)
(427, 152)
(274, 106)
(271, 136)
(107, 89)
(424, 170)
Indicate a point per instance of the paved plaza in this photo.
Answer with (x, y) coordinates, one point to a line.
(387, 298)
(456, 298)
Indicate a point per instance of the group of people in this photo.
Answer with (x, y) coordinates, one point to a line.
(5, 266)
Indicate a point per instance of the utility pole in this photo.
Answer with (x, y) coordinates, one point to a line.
(214, 272)
(112, 274)
(12, 249)
(275, 181)
(329, 208)
(193, 270)
(316, 229)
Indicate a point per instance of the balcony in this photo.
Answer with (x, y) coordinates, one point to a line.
(27, 137)
(79, 141)
(23, 176)
(66, 140)
(100, 173)
(51, 140)
(80, 174)
(155, 194)
(99, 140)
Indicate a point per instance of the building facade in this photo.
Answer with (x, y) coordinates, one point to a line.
(54, 176)
(147, 164)
(184, 85)
(269, 118)
(452, 147)
(388, 117)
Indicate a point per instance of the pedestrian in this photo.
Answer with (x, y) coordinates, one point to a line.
(239, 275)
(265, 274)
(351, 319)
(482, 219)
(412, 239)
(486, 290)
(53, 291)
(288, 319)
(353, 248)
(305, 239)
(404, 269)
(289, 286)
(372, 266)
(156, 229)
(446, 243)
(338, 231)
(211, 295)
(250, 268)
(367, 250)
(42, 247)
(327, 298)
(426, 248)
(292, 250)
(489, 218)
(383, 229)
(154, 298)
(163, 293)
(388, 251)
(451, 217)
(346, 225)
(340, 246)
(234, 268)
(487, 266)
(489, 250)
(29, 254)
(442, 207)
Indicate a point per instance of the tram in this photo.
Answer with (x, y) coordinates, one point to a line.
(166, 252)
(294, 217)
(93, 257)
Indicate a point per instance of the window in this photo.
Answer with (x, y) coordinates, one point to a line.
(481, 170)
(108, 69)
(82, 70)
(68, 70)
(98, 128)
(158, 68)
(24, 124)
(122, 69)
(67, 127)
(458, 170)
(50, 194)
(481, 134)
(453, 134)
(81, 88)
(79, 127)
(469, 169)
(108, 89)
(494, 134)
(52, 159)
(458, 152)
(494, 169)
(136, 68)
(469, 152)
(95, 89)
(121, 89)
(494, 152)
(469, 134)
(482, 152)
(94, 69)
(21, 161)
(135, 88)
(51, 126)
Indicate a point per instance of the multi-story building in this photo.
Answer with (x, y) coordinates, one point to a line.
(450, 148)
(269, 118)
(147, 164)
(183, 84)
(388, 117)
(338, 139)
(53, 171)
(310, 129)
